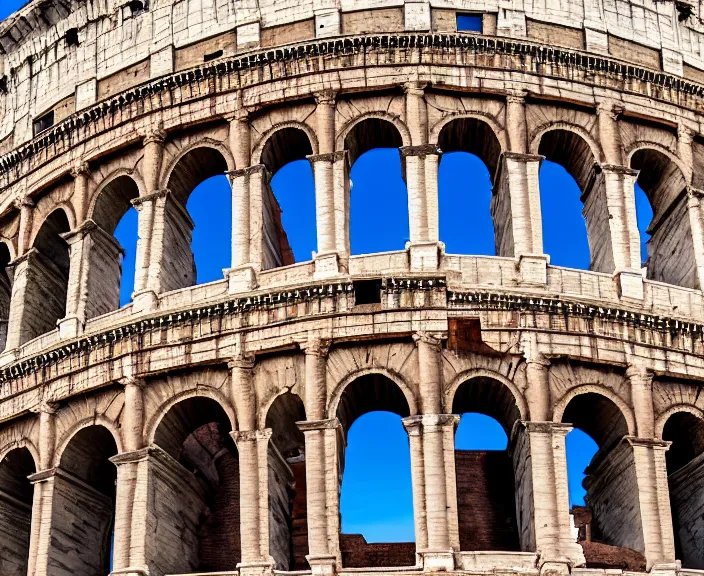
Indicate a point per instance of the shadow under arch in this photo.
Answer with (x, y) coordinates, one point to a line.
(670, 247)
(367, 395)
(611, 516)
(376, 177)
(685, 474)
(47, 286)
(288, 534)
(486, 479)
(83, 503)
(5, 291)
(289, 207)
(194, 473)
(16, 497)
(571, 149)
(469, 195)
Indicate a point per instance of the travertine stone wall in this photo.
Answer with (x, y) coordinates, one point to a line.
(15, 522)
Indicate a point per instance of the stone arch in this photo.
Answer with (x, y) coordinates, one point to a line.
(580, 132)
(274, 149)
(625, 411)
(201, 392)
(472, 373)
(65, 208)
(85, 474)
(473, 133)
(97, 420)
(677, 408)
(396, 378)
(20, 443)
(16, 499)
(287, 485)
(193, 165)
(664, 179)
(200, 482)
(341, 140)
(117, 188)
(488, 119)
(683, 430)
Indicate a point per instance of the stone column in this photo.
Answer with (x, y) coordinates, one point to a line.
(94, 276)
(316, 351)
(430, 488)
(515, 204)
(40, 535)
(129, 550)
(432, 203)
(614, 210)
(145, 296)
(242, 275)
(252, 448)
(242, 391)
(538, 390)
(542, 494)
(26, 208)
(323, 472)
(80, 173)
(696, 223)
(341, 200)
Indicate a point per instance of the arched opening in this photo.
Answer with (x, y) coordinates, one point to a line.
(198, 220)
(670, 247)
(45, 289)
(5, 292)
(16, 494)
(289, 205)
(609, 524)
(484, 470)
(111, 279)
(644, 216)
(197, 487)
(466, 174)
(83, 505)
(378, 197)
(376, 501)
(573, 204)
(288, 527)
(685, 473)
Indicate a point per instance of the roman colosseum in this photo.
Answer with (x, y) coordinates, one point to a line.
(203, 428)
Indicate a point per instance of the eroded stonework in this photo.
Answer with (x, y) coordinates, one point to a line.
(206, 426)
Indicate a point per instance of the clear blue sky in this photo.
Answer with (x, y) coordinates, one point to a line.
(376, 495)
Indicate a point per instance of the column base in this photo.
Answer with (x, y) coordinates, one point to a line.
(533, 269)
(131, 571)
(424, 256)
(241, 279)
(265, 567)
(629, 284)
(554, 568)
(144, 301)
(70, 326)
(323, 565)
(326, 265)
(438, 561)
(666, 568)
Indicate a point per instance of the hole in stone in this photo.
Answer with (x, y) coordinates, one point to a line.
(367, 292)
(72, 37)
(212, 56)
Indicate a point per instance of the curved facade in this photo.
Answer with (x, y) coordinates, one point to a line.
(206, 426)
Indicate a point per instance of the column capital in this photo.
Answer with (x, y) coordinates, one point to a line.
(24, 202)
(325, 97)
(132, 381)
(310, 425)
(137, 202)
(694, 196)
(434, 340)
(330, 157)
(45, 407)
(516, 96)
(250, 435)
(610, 108)
(652, 443)
(155, 134)
(639, 371)
(685, 135)
(537, 358)
(421, 150)
(415, 425)
(248, 171)
(415, 88)
(316, 347)
(80, 169)
(244, 362)
(238, 115)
